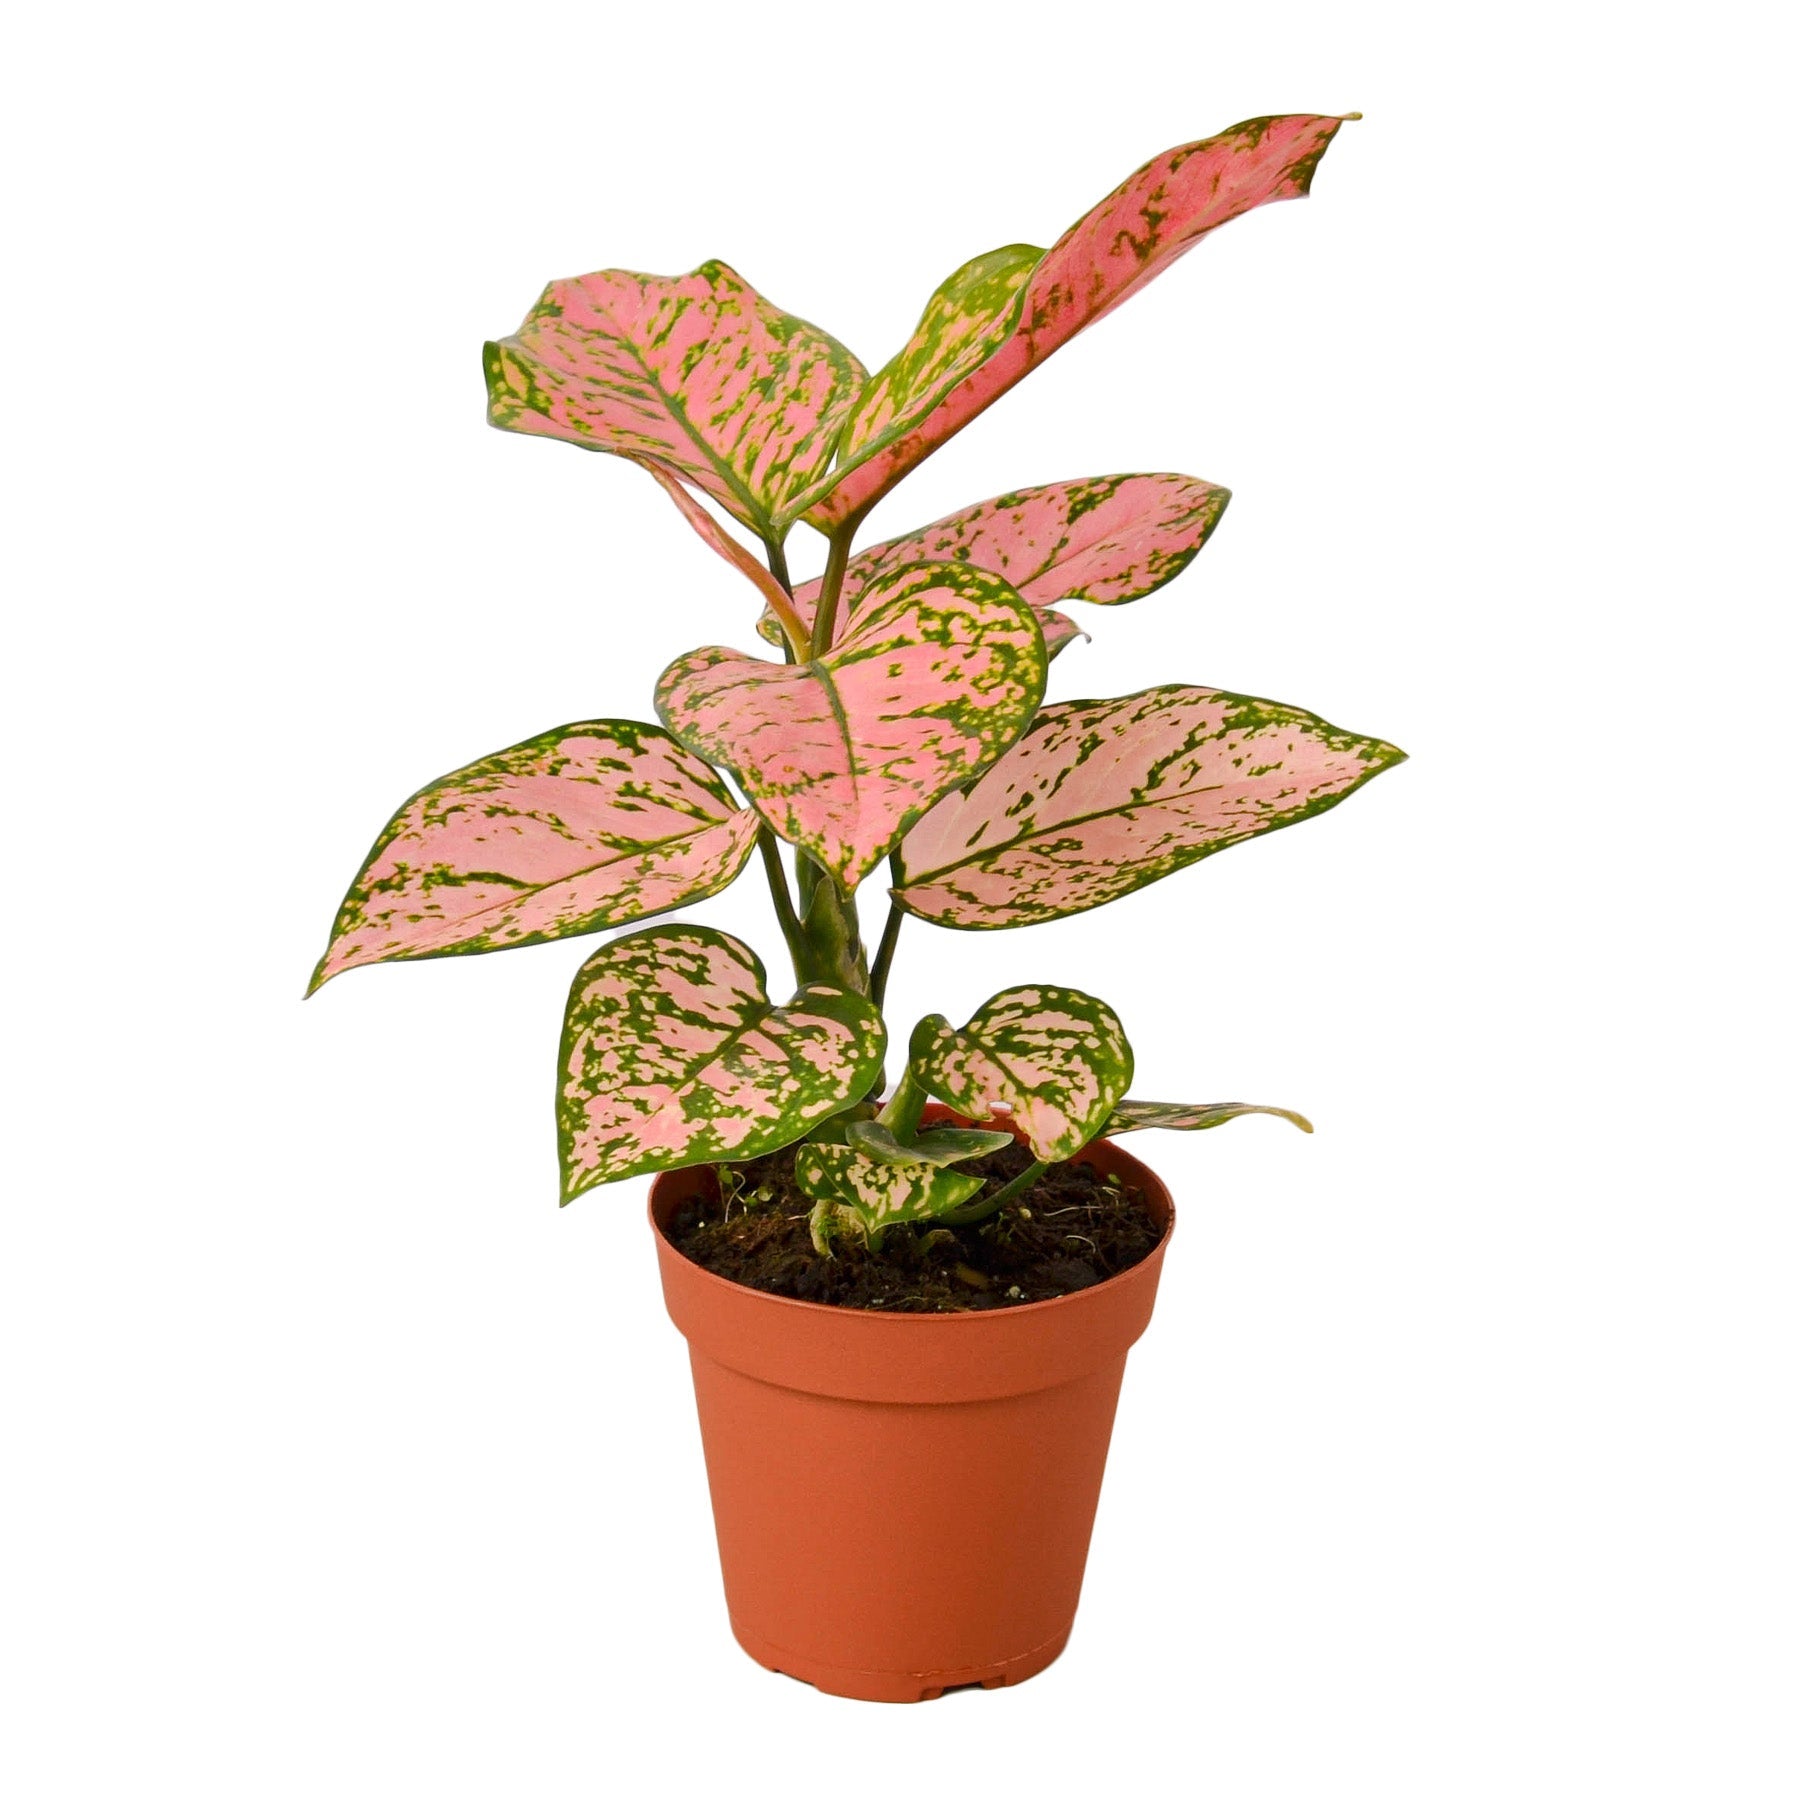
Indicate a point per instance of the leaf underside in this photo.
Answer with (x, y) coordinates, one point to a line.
(599, 823)
(1163, 1115)
(947, 1144)
(1057, 1059)
(941, 670)
(672, 1054)
(1101, 797)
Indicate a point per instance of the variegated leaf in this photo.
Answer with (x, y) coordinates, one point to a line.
(1055, 1058)
(590, 825)
(673, 1053)
(697, 370)
(941, 669)
(1163, 1115)
(1103, 796)
(1135, 233)
(1106, 539)
(880, 1193)
(948, 1144)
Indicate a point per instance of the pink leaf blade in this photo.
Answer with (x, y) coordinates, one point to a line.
(941, 669)
(594, 824)
(1105, 539)
(1055, 1058)
(698, 371)
(673, 1054)
(1101, 797)
(1134, 234)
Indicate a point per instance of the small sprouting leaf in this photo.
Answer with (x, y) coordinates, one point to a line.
(1163, 1115)
(594, 824)
(944, 1144)
(673, 1053)
(698, 371)
(941, 669)
(1106, 539)
(879, 1192)
(1019, 316)
(1102, 796)
(1055, 1058)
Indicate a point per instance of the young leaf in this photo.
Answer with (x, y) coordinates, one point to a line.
(673, 1053)
(1106, 539)
(878, 1192)
(946, 1144)
(1135, 233)
(590, 825)
(1162, 1115)
(941, 669)
(1056, 1058)
(1102, 796)
(696, 370)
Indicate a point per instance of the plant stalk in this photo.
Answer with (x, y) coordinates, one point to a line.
(837, 560)
(980, 1209)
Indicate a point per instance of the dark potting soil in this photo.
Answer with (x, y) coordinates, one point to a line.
(1071, 1228)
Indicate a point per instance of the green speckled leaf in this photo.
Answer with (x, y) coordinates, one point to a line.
(1055, 1058)
(1163, 1115)
(673, 1053)
(880, 1193)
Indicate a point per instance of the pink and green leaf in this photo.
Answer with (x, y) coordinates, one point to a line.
(941, 669)
(877, 1191)
(698, 371)
(1106, 539)
(1101, 797)
(673, 1054)
(1055, 1058)
(1136, 232)
(1162, 1115)
(594, 824)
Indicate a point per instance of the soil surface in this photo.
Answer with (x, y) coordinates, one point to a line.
(1071, 1228)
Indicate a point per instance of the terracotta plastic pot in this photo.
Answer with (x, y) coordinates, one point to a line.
(903, 1502)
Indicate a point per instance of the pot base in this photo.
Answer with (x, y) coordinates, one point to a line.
(886, 1684)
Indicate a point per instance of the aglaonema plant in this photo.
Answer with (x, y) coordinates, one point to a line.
(904, 723)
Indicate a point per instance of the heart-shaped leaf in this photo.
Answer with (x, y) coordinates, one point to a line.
(1163, 1115)
(697, 370)
(948, 1144)
(590, 825)
(1106, 539)
(878, 1192)
(1055, 1058)
(1102, 796)
(922, 397)
(940, 670)
(673, 1053)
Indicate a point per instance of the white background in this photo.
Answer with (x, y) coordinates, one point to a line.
(1460, 1459)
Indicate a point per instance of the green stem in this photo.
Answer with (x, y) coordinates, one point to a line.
(980, 1209)
(785, 915)
(884, 953)
(902, 1113)
(837, 560)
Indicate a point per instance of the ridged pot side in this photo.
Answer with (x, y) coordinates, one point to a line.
(904, 1501)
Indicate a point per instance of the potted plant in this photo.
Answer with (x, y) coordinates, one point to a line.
(908, 1291)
